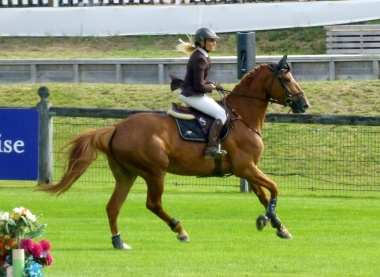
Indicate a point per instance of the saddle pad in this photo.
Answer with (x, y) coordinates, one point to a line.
(192, 131)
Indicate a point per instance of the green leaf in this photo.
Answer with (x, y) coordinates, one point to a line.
(25, 221)
(36, 233)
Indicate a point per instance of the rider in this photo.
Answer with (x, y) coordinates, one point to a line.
(196, 85)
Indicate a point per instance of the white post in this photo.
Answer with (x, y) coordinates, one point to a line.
(45, 170)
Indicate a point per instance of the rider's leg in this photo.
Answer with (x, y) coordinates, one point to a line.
(208, 106)
(212, 149)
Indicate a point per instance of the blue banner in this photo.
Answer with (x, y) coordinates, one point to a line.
(19, 144)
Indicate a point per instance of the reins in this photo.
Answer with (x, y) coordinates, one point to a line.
(238, 117)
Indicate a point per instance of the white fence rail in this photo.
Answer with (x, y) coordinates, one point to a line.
(156, 71)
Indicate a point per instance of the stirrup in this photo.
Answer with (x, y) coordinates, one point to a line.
(215, 155)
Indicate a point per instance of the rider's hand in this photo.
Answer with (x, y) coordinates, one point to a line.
(218, 86)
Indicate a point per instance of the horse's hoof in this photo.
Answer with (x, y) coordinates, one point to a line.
(127, 247)
(183, 237)
(261, 222)
(283, 233)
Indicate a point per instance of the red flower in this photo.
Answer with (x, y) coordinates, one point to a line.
(45, 245)
(26, 244)
(2, 260)
(49, 259)
(36, 250)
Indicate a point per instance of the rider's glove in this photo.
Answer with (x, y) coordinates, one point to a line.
(218, 86)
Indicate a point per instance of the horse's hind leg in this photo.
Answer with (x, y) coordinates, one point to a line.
(154, 204)
(124, 182)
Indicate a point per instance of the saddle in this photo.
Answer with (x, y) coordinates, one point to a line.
(194, 125)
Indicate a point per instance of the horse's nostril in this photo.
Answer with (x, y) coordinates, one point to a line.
(306, 106)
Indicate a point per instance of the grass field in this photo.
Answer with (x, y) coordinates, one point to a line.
(332, 236)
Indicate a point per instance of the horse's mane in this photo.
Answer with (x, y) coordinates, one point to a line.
(247, 78)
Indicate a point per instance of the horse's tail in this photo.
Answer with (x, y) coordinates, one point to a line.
(82, 152)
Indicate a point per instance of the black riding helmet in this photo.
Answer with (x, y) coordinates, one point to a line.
(203, 34)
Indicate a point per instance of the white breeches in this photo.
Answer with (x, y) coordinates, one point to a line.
(206, 105)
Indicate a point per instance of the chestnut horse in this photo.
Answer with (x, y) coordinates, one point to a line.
(148, 145)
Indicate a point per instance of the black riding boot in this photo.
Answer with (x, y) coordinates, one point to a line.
(213, 150)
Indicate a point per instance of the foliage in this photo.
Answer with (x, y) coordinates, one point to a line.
(21, 224)
(16, 232)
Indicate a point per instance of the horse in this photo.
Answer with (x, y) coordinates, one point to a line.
(148, 145)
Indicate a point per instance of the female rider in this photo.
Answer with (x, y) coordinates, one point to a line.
(195, 86)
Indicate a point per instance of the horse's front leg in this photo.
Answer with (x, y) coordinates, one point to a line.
(282, 232)
(259, 182)
(263, 197)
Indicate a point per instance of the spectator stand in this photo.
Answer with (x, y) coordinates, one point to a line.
(23, 3)
(353, 39)
(67, 3)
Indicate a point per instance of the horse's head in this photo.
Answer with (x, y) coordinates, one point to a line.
(284, 89)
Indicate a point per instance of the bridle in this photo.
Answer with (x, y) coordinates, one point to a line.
(288, 101)
(277, 73)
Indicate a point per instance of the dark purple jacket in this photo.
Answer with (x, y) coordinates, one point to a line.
(196, 82)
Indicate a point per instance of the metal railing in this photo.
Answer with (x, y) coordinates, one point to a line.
(302, 152)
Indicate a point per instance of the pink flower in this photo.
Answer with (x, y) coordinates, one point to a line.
(45, 245)
(36, 250)
(49, 259)
(26, 244)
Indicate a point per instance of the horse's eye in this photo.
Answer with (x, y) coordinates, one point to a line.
(286, 80)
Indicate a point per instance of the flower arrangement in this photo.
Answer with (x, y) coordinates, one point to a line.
(16, 232)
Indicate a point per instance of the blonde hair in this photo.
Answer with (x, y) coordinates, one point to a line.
(186, 47)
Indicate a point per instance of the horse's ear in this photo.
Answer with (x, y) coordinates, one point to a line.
(282, 65)
(282, 61)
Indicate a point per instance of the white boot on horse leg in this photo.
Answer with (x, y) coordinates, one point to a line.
(119, 244)
(176, 227)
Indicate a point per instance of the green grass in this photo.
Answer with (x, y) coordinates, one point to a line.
(332, 236)
(326, 97)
